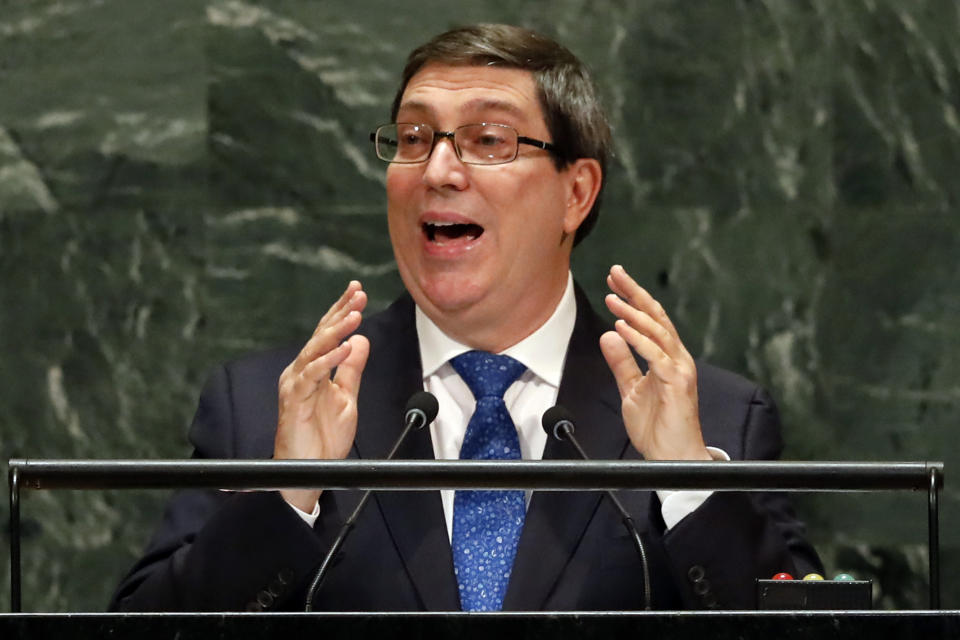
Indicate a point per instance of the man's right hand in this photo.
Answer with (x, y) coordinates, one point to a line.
(318, 414)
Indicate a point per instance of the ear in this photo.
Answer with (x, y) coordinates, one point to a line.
(583, 185)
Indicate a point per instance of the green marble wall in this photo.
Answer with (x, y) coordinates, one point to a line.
(184, 181)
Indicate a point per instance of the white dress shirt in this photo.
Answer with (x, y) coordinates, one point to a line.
(526, 399)
(543, 353)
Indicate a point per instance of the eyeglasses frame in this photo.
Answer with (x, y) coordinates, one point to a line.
(450, 135)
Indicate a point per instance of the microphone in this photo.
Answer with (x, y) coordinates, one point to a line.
(421, 409)
(558, 422)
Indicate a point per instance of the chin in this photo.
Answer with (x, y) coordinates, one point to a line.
(449, 294)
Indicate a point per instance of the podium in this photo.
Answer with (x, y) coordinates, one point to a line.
(677, 625)
(405, 475)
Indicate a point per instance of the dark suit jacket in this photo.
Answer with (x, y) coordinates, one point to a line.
(227, 551)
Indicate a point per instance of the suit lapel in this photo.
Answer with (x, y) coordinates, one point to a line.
(556, 521)
(414, 518)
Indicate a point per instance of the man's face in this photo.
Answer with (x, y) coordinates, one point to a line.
(482, 249)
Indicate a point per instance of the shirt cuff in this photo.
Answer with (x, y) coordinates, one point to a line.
(309, 518)
(677, 505)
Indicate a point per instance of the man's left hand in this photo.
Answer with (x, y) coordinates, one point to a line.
(660, 408)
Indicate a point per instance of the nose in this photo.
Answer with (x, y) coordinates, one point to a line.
(444, 168)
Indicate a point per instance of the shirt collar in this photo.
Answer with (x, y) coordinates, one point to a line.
(543, 351)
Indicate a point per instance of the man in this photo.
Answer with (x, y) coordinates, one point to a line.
(495, 172)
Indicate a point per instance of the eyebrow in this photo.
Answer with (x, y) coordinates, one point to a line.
(477, 104)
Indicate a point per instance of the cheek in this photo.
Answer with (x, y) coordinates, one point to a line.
(398, 199)
(400, 182)
(393, 190)
(539, 211)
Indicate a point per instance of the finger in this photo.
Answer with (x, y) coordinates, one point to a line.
(642, 322)
(661, 365)
(318, 372)
(349, 372)
(326, 339)
(352, 299)
(352, 288)
(621, 362)
(627, 288)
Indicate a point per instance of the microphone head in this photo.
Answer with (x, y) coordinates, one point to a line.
(425, 403)
(553, 418)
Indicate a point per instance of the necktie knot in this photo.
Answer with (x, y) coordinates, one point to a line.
(487, 374)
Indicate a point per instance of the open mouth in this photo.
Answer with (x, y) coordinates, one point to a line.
(443, 232)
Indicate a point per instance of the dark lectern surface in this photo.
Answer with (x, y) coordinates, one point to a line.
(782, 625)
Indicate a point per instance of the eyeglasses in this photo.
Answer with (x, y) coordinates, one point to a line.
(406, 143)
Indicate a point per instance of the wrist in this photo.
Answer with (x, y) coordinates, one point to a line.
(303, 499)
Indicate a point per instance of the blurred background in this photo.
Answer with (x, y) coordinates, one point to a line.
(184, 181)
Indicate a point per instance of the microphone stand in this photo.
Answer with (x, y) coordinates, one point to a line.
(559, 421)
(421, 410)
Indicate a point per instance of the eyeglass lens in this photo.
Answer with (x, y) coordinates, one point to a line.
(475, 143)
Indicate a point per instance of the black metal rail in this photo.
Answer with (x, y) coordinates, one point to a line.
(545, 475)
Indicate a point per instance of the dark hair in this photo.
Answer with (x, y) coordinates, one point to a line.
(571, 108)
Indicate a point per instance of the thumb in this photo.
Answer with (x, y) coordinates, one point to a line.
(620, 359)
(351, 369)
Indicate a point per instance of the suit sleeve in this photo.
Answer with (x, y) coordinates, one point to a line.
(719, 550)
(220, 551)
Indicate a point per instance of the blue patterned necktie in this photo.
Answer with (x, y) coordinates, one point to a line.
(487, 524)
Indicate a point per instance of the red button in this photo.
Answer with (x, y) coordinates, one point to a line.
(783, 576)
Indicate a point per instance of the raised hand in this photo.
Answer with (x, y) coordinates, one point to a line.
(660, 408)
(317, 413)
